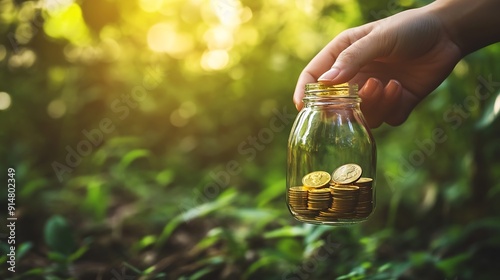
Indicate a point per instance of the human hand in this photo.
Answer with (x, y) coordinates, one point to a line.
(399, 60)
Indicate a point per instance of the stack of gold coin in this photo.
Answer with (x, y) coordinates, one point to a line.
(365, 199)
(344, 198)
(297, 198)
(319, 199)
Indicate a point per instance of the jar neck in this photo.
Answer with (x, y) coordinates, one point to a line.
(343, 95)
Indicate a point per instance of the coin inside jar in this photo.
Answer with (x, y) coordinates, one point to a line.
(347, 174)
(316, 179)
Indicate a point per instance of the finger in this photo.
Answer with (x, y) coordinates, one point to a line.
(354, 57)
(304, 79)
(371, 94)
(390, 103)
(325, 59)
(407, 102)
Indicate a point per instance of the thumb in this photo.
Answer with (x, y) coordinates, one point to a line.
(354, 57)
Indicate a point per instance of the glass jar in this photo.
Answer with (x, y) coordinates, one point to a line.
(331, 158)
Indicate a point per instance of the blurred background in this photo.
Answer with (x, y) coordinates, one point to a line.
(148, 139)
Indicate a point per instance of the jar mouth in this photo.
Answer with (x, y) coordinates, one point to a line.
(339, 90)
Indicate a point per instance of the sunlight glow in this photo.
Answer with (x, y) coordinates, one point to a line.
(55, 6)
(215, 60)
(5, 100)
(219, 37)
(227, 11)
(68, 24)
(150, 6)
(163, 37)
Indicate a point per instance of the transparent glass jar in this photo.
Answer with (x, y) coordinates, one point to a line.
(331, 158)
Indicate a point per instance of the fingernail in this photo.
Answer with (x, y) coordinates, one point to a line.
(392, 86)
(329, 75)
(371, 85)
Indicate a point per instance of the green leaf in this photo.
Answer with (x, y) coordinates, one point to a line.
(271, 192)
(23, 249)
(419, 258)
(76, 255)
(200, 273)
(57, 257)
(165, 177)
(290, 248)
(222, 201)
(96, 201)
(59, 236)
(263, 262)
(450, 265)
(286, 232)
(131, 156)
(33, 186)
(146, 241)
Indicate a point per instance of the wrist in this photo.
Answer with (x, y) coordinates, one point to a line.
(471, 25)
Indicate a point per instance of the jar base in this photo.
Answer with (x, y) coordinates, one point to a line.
(332, 222)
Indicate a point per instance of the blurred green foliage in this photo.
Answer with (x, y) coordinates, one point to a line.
(139, 131)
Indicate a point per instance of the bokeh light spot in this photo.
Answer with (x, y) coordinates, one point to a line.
(56, 108)
(187, 109)
(24, 33)
(5, 100)
(69, 24)
(227, 11)
(163, 37)
(219, 38)
(24, 58)
(55, 6)
(215, 60)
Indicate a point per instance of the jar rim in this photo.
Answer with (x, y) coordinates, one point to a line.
(338, 90)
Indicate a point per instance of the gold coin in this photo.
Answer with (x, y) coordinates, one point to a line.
(344, 188)
(319, 191)
(364, 180)
(316, 179)
(298, 189)
(347, 174)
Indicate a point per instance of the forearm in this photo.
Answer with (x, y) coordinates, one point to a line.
(471, 24)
